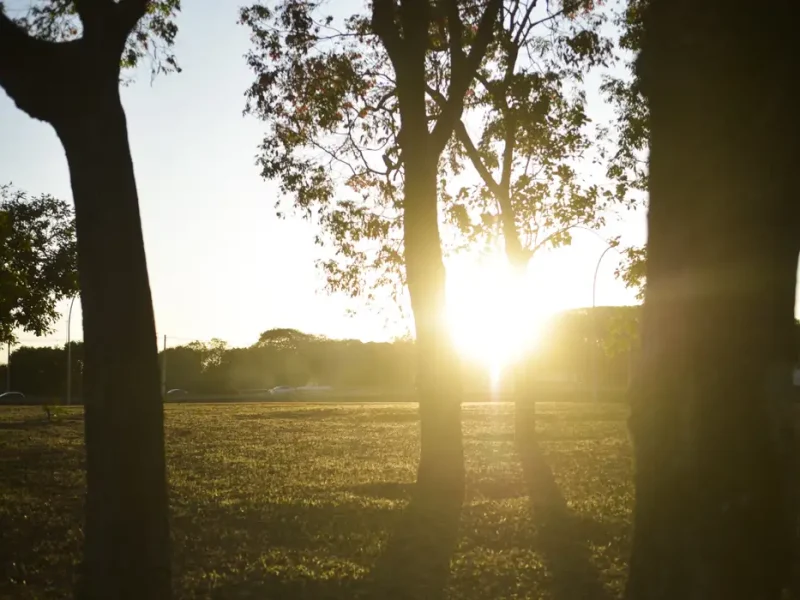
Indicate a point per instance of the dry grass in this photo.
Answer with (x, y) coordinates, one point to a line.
(313, 502)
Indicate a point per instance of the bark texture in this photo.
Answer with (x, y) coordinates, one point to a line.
(711, 401)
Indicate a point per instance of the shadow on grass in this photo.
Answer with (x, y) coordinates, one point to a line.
(415, 562)
(561, 536)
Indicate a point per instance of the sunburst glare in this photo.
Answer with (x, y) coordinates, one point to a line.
(493, 313)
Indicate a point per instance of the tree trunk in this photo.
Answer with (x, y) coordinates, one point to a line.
(441, 468)
(127, 530)
(712, 395)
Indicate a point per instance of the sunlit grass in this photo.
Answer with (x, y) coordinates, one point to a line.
(308, 501)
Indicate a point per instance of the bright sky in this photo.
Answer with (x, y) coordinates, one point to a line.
(221, 264)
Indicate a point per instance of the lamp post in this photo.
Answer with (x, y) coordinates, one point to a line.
(69, 352)
(595, 391)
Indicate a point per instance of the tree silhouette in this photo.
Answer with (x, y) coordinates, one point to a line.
(359, 98)
(533, 132)
(61, 64)
(38, 258)
(712, 404)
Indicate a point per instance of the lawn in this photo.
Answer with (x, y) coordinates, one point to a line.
(314, 502)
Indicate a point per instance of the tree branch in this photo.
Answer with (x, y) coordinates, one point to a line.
(31, 70)
(455, 30)
(509, 117)
(465, 140)
(550, 17)
(385, 27)
(475, 157)
(461, 77)
(128, 13)
(518, 36)
(93, 14)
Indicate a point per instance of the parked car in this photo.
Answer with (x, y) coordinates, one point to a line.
(11, 397)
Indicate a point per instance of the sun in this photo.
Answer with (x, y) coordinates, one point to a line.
(492, 313)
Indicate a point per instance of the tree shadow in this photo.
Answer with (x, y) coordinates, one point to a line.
(416, 561)
(561, 535)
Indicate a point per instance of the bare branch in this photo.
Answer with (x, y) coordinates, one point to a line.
(518, 38)
(566, 9)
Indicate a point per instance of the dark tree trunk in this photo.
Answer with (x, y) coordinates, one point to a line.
(712, 396)
(404, 29)
(441, 468)
(127, 530)
(75, 87)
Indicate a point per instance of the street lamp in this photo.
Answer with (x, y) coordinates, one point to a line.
(595, 392)
(69, 352)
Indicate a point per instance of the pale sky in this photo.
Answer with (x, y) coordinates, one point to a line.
(221, 264)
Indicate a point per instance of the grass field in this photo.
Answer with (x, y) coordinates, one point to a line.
(313, 502)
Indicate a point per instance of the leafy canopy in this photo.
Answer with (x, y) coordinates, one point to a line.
(526, 129)
(628, 166)
(38, 258)
(327, 91)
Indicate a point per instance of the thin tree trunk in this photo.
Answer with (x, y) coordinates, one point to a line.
(127, 531)
(712, 395)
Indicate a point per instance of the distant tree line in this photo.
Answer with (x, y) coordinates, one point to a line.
(294, 358)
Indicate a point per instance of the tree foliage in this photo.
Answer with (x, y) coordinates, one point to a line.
(526, 129)
(151, 38)
(328, 92)
(37, 260)
(628, 165)
(214, 367)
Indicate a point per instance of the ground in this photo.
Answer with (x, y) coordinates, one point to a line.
(313, 502)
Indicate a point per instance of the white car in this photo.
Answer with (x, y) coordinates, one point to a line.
(282, 390)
